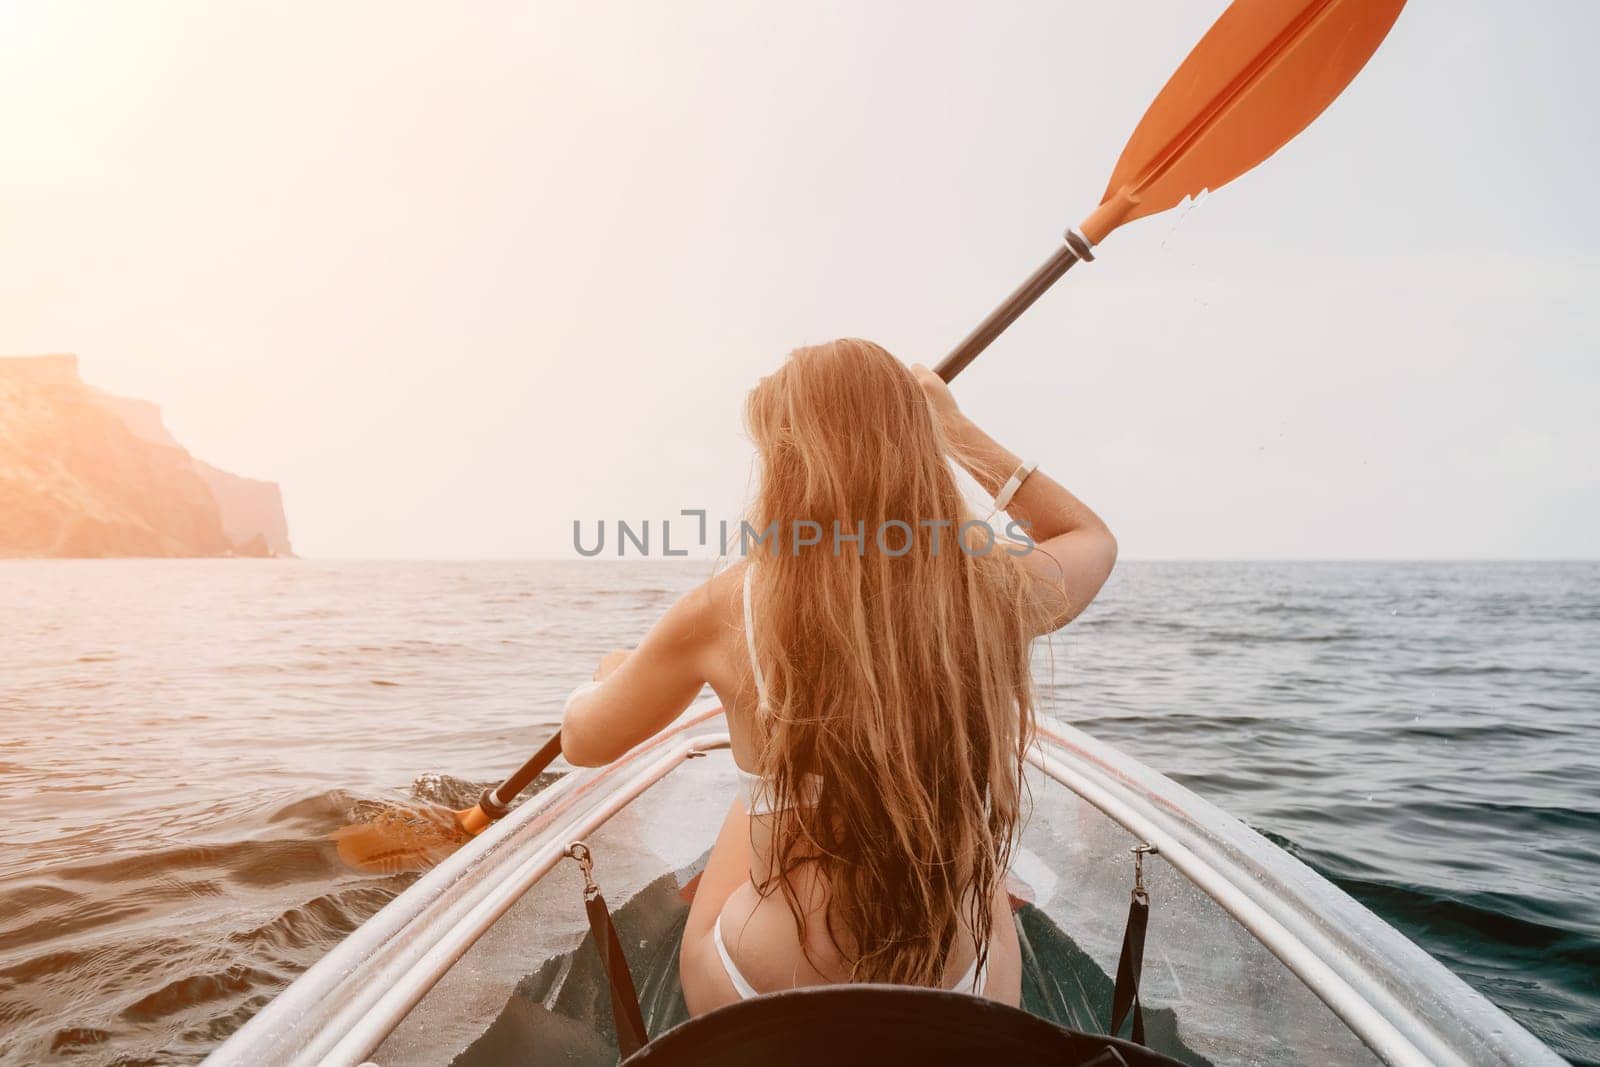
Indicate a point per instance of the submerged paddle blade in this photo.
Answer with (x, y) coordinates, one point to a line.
(390, 839)
(398, 839)
(1263, 71)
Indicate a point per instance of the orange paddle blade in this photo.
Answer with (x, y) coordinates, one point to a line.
(1257, 78)
(400, 839)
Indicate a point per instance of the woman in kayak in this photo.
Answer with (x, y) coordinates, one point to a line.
(872, 655)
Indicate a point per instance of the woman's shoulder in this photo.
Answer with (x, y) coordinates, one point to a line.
(707, 610)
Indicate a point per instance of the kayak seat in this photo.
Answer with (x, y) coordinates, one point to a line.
(848, 1024)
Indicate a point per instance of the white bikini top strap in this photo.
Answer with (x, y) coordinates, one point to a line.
(750, 635)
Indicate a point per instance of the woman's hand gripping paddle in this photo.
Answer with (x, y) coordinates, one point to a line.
(1263, 71)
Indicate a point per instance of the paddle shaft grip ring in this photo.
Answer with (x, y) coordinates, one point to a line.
(489, 803)
(496, 802)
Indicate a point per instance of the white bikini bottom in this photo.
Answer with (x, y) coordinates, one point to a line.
(976, 978)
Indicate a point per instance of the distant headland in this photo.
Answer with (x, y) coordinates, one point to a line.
(87, 474)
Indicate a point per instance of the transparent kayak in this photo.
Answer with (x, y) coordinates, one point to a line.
(1250, 956)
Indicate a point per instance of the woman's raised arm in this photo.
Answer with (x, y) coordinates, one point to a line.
(1073, 549)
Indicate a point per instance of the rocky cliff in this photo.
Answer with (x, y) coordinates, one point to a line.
(84, 473)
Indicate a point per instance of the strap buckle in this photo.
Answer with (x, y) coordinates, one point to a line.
(1140, 851)
(580, 852)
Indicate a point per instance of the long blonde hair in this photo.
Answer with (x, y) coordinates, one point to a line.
(900, 679)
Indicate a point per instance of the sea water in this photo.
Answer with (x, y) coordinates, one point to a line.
(177, 739)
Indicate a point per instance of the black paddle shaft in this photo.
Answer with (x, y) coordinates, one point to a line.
(1072, 249)
(496, 802)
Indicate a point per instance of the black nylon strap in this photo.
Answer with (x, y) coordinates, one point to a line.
(631, 1036)
(1130, 966)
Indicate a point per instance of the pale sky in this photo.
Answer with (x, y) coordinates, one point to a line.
(456, 275)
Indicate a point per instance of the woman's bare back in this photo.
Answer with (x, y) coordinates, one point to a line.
(761, 933)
